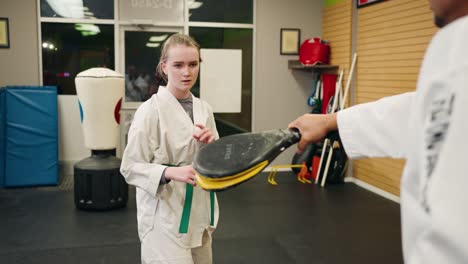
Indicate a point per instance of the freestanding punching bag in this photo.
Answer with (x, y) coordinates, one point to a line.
(98, 184)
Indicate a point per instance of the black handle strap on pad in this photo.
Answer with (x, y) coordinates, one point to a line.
(238, 153)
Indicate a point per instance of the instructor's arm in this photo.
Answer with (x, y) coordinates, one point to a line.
(375, 129)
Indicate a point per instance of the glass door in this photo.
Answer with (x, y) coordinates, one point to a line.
(140, 49)
(140, 52)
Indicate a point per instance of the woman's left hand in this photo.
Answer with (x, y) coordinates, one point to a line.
(203, 134)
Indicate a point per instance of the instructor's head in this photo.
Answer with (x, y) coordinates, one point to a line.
(446, 11)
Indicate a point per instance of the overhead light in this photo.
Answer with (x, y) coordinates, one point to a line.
(152, 45)
(67, 8)
(158, 38)
(89, 14)
(193, 4)
(50, 46)
(87, 29)
(88, 33)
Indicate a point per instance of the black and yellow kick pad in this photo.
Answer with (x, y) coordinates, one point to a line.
(235, 159)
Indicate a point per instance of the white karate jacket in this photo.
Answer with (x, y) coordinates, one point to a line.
(161, 133)
(429, 128)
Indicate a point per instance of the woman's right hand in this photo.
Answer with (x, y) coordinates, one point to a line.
(182, 174)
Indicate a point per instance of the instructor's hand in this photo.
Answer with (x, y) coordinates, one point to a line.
(203, 134)
(313, 128)
(182, 174)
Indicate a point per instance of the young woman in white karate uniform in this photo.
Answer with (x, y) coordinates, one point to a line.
(175, 217)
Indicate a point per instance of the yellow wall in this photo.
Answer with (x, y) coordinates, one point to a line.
(392, 37)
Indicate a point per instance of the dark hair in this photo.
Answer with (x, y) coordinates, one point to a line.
(176, 39)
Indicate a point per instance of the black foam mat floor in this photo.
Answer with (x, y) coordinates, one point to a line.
(259, 223)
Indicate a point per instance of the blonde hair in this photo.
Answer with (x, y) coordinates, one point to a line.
(176, 39)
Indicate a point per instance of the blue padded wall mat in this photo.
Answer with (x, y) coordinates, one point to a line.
(31, 130)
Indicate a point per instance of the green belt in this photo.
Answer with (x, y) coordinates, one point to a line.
(184, 221)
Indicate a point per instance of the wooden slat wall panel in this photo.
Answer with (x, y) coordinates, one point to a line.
(337, 29)
(392, 37)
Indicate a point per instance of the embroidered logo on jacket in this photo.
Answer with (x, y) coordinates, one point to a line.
(436, 129)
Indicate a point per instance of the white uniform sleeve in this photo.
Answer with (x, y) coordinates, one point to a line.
(136, 166)
(376, 129)
(446, 240)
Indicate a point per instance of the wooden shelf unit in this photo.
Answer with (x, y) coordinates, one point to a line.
(297, 65)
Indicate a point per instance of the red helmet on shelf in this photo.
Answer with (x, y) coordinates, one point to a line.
(314, 51)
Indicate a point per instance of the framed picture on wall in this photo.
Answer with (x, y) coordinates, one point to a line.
(362, 3)
(289, 41)
(4, 34)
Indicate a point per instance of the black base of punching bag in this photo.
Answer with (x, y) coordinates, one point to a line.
(98, 184)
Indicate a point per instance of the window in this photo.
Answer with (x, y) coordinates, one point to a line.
(70, 46)
(68, 49)
(152, 11)
(142, 53)
(78, 9)
(225, 11)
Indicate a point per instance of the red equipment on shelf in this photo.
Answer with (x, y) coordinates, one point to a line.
(314, 51)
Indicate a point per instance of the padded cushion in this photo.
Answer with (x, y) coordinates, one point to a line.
(234, 156)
